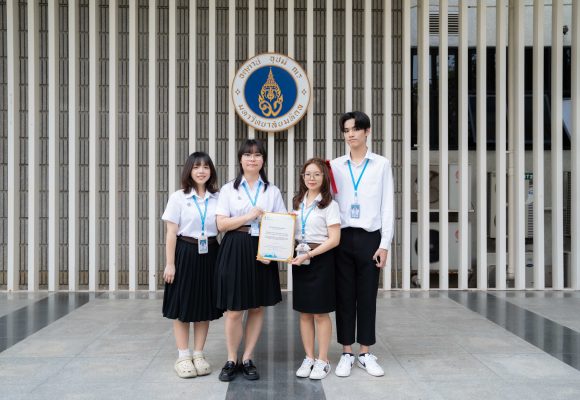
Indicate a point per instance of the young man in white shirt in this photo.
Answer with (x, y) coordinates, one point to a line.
(366, 200)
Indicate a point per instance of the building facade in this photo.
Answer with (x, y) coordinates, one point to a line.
(102, 101)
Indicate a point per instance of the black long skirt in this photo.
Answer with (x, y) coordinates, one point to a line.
(314, 285)
(242, 281)
(191, 296)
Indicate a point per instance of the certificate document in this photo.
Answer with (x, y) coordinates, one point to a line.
(276, 242)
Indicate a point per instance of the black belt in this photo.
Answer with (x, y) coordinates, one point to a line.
(210, 240)
(312, 245)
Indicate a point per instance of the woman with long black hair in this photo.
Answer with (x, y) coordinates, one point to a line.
(243, 283)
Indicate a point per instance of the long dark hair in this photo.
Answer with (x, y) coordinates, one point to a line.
(195, 159)
(252, 146)
(324, 189)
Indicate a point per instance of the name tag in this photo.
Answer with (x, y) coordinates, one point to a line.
(255, 228)
(202, 245)
(355, 211)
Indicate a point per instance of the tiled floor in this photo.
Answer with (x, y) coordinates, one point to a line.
(432, 345)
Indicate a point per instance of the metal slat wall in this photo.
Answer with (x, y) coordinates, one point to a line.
(4, 153)
(119, 105)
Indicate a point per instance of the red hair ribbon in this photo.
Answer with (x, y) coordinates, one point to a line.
(332, 181)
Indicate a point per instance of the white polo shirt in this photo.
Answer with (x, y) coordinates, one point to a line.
(317, 223)
(375, 195)
(181, 210)
(235, 202)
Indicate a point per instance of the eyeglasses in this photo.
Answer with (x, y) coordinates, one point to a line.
(308, 175)
(353, 129)
(256, 156)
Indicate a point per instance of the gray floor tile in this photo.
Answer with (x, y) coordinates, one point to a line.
(528, 367)
(414, 345)
(505, 343)
(29, 371)
(444, 368)
(82, 390)
(483, 390)
(50, 346)
(347, 388)
(564, 390)
(122, 346)
(188, 389)
(102, 370)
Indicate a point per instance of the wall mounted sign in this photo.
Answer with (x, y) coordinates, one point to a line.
(271, 92)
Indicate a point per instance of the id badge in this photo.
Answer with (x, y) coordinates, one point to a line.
(255, 228)
(355, 211)
(202, 245)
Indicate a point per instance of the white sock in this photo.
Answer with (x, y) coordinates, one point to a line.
(184, 353)
(198, 353)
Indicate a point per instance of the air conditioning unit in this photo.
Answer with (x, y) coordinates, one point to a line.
(529, 205)
(453, 190)
(434, 237)
(433, 187)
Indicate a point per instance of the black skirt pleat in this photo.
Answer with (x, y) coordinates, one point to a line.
(313, 286)
(191, 297)
(242, 281)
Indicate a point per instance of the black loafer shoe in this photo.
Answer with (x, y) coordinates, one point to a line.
(250, 371)
(228, 372)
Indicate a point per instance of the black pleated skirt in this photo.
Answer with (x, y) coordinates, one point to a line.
(242, 281)
(191, 296)
(313, 286)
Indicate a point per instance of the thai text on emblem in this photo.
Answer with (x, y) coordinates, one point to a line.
(270, 98)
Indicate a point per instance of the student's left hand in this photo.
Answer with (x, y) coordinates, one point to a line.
(300, 259)
(380, 257)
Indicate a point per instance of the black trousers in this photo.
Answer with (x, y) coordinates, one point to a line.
(357, 283)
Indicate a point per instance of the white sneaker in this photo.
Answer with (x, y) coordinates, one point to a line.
(305, 368)
(369, 363)
(320, 370)
(344, 365)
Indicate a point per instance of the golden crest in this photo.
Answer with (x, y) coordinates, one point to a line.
(270, 98)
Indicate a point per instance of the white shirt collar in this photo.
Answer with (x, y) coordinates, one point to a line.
(369, 155)
(318, 198)
(245, 181)
(194, 193)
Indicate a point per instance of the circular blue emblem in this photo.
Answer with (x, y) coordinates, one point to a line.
(271, 92)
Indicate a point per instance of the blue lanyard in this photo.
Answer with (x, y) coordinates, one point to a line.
(359, 177)
(202, 216)
(307, 215)
(245, 185)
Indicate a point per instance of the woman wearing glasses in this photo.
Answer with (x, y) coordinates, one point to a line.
(317, 234)
(244, 284)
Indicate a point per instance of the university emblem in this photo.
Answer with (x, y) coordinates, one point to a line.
(271, 92)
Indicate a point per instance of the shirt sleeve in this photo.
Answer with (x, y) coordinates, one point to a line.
(387, 208)
(332, 214)
(223, 203)
(279, 206)
(172, 211)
